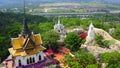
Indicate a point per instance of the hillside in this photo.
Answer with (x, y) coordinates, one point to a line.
(96, 50)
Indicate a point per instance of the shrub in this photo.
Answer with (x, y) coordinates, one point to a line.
(73, 41)
(92, 66)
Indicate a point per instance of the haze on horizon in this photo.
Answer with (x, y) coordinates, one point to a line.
(53, 1)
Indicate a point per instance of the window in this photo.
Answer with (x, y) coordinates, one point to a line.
(58, 30)
(27, 61)
(19, 61)
(30, 60)
(33, 60)
(39, 57)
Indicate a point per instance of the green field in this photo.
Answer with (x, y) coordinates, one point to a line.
(76, 7)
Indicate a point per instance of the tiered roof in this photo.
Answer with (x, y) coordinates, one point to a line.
(27, 43)
(26, 46)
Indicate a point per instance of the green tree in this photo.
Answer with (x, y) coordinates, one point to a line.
(101, 42)
(73, 41)
(13, 31)
(117, 33)
(85, 58)
(117, 65)
(106, 43)
(92, 66)
(112, 59)
(50, 38)
(99, 39)
(75, 64)
(72, 62)
(3, 48)
(44, 27)
(81, 59)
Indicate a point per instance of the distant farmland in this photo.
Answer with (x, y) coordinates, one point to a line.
(75, 7)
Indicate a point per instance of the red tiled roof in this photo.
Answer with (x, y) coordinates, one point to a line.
(49, 52)
(83, 35)
(59, 57)
(64, 50)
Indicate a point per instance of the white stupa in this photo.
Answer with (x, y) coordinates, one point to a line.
(91, 32)
(91, 35)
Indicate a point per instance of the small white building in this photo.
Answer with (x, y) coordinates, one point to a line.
(59, 28)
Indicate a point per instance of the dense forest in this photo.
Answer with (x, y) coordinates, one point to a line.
(11, 25)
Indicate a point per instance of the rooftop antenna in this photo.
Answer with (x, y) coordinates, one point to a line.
(25, 31)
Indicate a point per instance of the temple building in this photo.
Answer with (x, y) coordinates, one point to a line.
(59, 28)
(27, 49)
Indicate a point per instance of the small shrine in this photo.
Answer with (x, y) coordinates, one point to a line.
(59, 28)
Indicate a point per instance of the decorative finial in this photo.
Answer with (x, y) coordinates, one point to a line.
(91, 22)
(26, 31)
(58, 20)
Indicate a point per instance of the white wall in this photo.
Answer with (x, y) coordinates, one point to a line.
(24, 59)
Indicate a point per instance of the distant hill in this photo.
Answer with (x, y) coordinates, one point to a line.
(49, 1)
